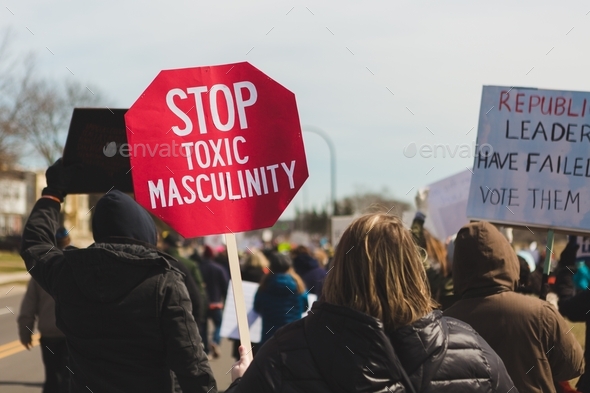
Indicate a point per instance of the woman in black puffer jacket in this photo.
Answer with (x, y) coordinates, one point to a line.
(374, 330)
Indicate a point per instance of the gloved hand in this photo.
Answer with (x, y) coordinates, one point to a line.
(58, 179)
(422, 200)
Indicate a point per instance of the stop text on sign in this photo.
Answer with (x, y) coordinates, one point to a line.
(216, 90)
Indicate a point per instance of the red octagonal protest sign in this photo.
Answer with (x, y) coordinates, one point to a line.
(215, 149)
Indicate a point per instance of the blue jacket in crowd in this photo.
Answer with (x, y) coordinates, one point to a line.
(278, 303)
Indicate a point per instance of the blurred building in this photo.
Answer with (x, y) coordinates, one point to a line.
(17, 196)
(75, 214)
(77, 219)
(19, 190)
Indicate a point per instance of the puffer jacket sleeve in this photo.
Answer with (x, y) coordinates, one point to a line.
(184, 350)
(44, 260)
(264, 373)
(564, 353)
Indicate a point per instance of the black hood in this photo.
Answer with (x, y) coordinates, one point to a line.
(304, 263)
(118, 216)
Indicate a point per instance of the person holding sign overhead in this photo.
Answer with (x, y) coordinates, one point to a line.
(123, 308)
(375, 329)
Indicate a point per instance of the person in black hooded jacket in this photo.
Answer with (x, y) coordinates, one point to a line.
(309, 269)
(123, 308)
(374, 329)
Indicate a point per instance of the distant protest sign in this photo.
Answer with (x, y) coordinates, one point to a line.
(447, 204)
(229, 324)
(584, 250)
(532, 167)
(339, 225)
(95, 137)
(216, 149)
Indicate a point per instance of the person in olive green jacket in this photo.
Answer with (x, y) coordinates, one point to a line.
(171, 245)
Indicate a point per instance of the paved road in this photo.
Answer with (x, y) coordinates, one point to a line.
(22, 372)
(12, 277)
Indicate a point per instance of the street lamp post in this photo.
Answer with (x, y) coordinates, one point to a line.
(326, 138)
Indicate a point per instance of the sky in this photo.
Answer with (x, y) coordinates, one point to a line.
(377, 77)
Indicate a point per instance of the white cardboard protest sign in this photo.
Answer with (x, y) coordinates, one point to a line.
(447, 204)
(229, 323)
(532, 164)
(584, 250)
(339, 225)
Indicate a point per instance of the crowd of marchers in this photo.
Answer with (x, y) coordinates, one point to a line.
(397, 310)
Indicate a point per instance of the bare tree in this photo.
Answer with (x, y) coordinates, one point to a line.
(35, 111)
(48, 109)
(15, 74)
(365, 201)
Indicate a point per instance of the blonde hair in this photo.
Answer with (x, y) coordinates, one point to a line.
(281, 263)
(296, 277)
(437, 251)
(300, 284)
(256, 259)
(321, 256)
(378, 271)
